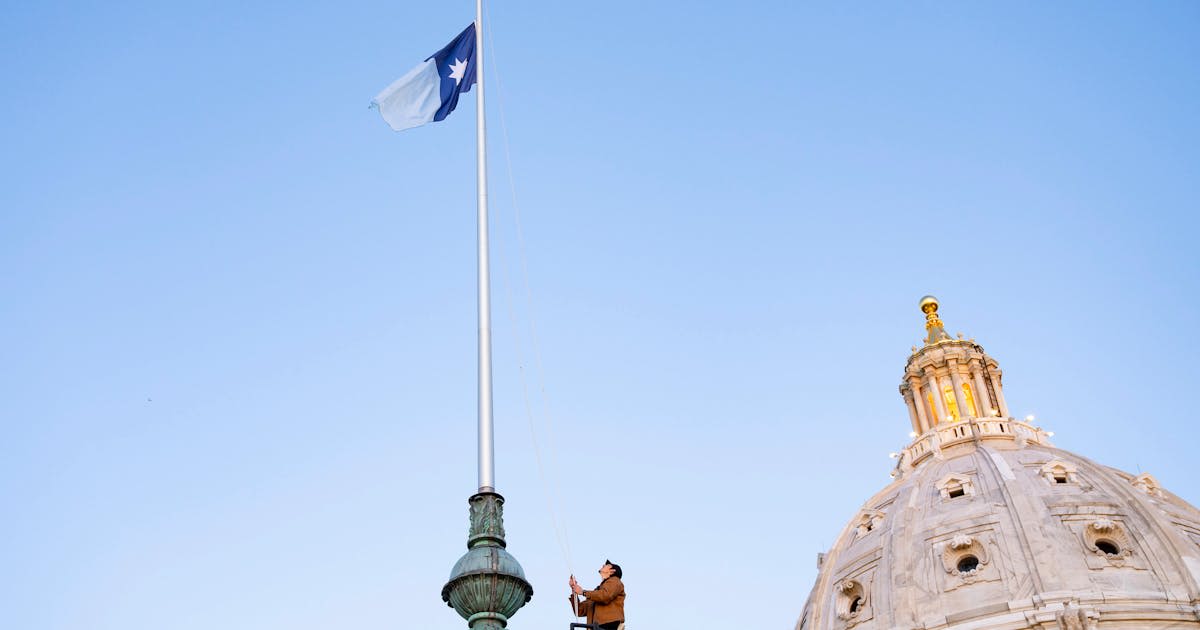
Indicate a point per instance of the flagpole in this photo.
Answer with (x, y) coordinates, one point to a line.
(487, 585)
(487, 467)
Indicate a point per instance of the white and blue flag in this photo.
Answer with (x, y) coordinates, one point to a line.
(430, 91)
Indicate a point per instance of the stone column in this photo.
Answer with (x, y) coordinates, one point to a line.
(982, 397)
(912, 408)
(941, 394)
(964, 409)
(1000, 395)
(932, 387)
(914, 385)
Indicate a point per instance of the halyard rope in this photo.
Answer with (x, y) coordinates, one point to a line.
(558, 523)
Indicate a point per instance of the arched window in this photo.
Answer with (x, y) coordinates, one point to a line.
(965, 557)
(971, 406)
(951, 403)
(1109, 540)
(851, 600)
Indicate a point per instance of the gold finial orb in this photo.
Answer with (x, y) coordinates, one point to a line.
(929, 304)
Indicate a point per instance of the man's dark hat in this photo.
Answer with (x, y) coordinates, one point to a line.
(616, 568)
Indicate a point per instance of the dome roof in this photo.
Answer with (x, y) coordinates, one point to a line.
(988, 525)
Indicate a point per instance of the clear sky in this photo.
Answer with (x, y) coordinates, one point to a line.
(239, 319)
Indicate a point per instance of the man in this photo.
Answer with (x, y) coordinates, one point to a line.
(604, 607)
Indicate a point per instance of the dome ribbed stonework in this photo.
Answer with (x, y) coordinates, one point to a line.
(989, 526)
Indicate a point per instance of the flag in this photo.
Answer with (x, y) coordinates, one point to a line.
(430, 91)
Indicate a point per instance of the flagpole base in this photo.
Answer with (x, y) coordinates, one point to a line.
(487, 585)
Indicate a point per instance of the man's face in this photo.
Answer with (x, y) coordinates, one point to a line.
(606, 571)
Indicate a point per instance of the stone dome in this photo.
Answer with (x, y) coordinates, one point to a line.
(988, 525)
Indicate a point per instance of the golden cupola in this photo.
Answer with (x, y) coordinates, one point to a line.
(949, 379)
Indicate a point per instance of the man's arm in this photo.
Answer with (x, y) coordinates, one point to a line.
(584, 608)
(608, 591)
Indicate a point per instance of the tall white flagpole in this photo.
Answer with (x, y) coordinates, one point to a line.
(487, 598)
(487, 466)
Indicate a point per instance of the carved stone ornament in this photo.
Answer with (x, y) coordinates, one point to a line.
(1072, 617)
(954, 486)
(1059, 472)
(1148, 484)
(867, 521)
(1107, 538)
(959, 551)
(851, 600)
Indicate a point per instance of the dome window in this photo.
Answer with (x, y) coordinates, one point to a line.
(1108, 539)
(1058, 472)
(951, 403)
(970, 398)
(851, 601)
(965, 557)
(956, 486)
(1148, 484)
(866, 522)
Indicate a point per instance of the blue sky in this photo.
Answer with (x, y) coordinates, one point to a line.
(240, 326)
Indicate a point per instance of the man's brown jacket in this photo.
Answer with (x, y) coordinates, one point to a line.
(605, 604)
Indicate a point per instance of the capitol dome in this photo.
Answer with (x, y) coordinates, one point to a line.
(987, 525)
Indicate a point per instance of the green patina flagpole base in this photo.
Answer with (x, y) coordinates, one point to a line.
(486, 621)
(487, 585)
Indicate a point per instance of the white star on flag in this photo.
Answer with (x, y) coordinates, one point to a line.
(457, 70)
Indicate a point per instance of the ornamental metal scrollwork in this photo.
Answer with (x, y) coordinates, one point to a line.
(487, 519)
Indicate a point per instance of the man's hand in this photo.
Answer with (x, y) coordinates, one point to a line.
(575, 587)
